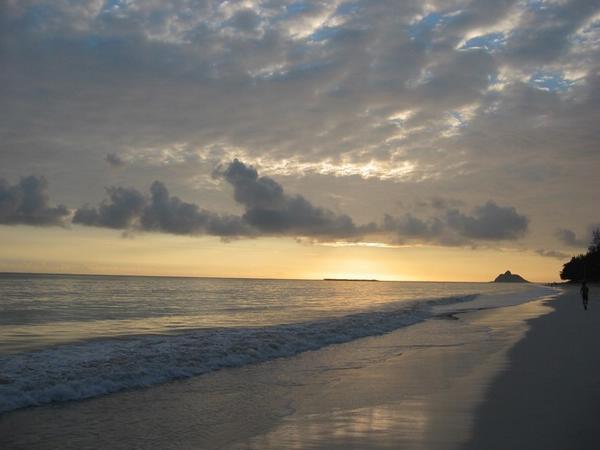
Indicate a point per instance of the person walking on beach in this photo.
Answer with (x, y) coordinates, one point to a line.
(584, 295)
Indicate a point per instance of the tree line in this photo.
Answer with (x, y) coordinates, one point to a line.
(584, 267)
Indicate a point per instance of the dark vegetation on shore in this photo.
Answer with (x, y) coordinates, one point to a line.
(584, 267)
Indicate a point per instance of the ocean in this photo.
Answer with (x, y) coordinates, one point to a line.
(71, 337)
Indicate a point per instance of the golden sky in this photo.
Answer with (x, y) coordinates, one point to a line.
(85, 250)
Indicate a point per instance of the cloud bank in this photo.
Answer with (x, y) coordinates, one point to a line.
(27, 203)
(489, 221)
(129, 209)
(270, 211)
(450, 226)
(381, 85)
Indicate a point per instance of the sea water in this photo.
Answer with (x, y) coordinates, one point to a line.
(69, 337)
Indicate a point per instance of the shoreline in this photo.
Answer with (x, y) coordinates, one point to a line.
(437, 370)
(549, 396)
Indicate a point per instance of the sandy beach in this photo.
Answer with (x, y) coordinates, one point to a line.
(549, 396)
(520, 377)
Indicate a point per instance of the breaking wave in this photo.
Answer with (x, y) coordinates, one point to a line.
(92, 368)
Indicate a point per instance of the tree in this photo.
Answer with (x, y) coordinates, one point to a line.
(584, 267)
(595, 245)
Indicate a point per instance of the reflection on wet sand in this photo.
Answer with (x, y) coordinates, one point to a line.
(362, 427)
(423, 399)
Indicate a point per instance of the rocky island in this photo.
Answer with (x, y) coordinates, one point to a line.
(508, 277)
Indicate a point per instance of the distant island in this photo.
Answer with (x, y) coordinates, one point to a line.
(347, 279)
(508, 277)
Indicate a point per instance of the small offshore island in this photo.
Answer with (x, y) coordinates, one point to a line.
(508, 277)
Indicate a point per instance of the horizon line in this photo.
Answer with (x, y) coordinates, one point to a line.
(3, 273)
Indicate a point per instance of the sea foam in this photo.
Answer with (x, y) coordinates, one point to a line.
(98, 367)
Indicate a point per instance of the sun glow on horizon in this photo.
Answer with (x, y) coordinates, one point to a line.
(94, 251)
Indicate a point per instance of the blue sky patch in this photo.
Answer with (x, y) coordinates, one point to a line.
(297, 8)
(109, 5)
(324, 33)
(550, 81)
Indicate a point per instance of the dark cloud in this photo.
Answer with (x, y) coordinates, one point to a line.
(129, 209)
(27, 203)
(271, 211)
(114, 160)
(410, 227)
(169, 214)
(245, 20)
(268, 211)
(120, 211)
(489, 221)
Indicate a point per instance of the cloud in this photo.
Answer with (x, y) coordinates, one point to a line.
(129, 209)
(552, 254)
(169, 214)
(570, 238)
(544, 30)
(27, 203)
(410, 227)
(489, 221)
(270, 210)
(245, 20)
(120, 211)
(114, 160)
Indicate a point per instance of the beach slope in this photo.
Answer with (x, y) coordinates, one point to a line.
(549, 396)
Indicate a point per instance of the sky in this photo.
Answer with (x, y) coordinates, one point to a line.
(414, 140)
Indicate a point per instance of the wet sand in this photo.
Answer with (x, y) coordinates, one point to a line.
(514, 377)
(549, 398)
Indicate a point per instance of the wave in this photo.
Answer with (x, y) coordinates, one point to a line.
(88, 369)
